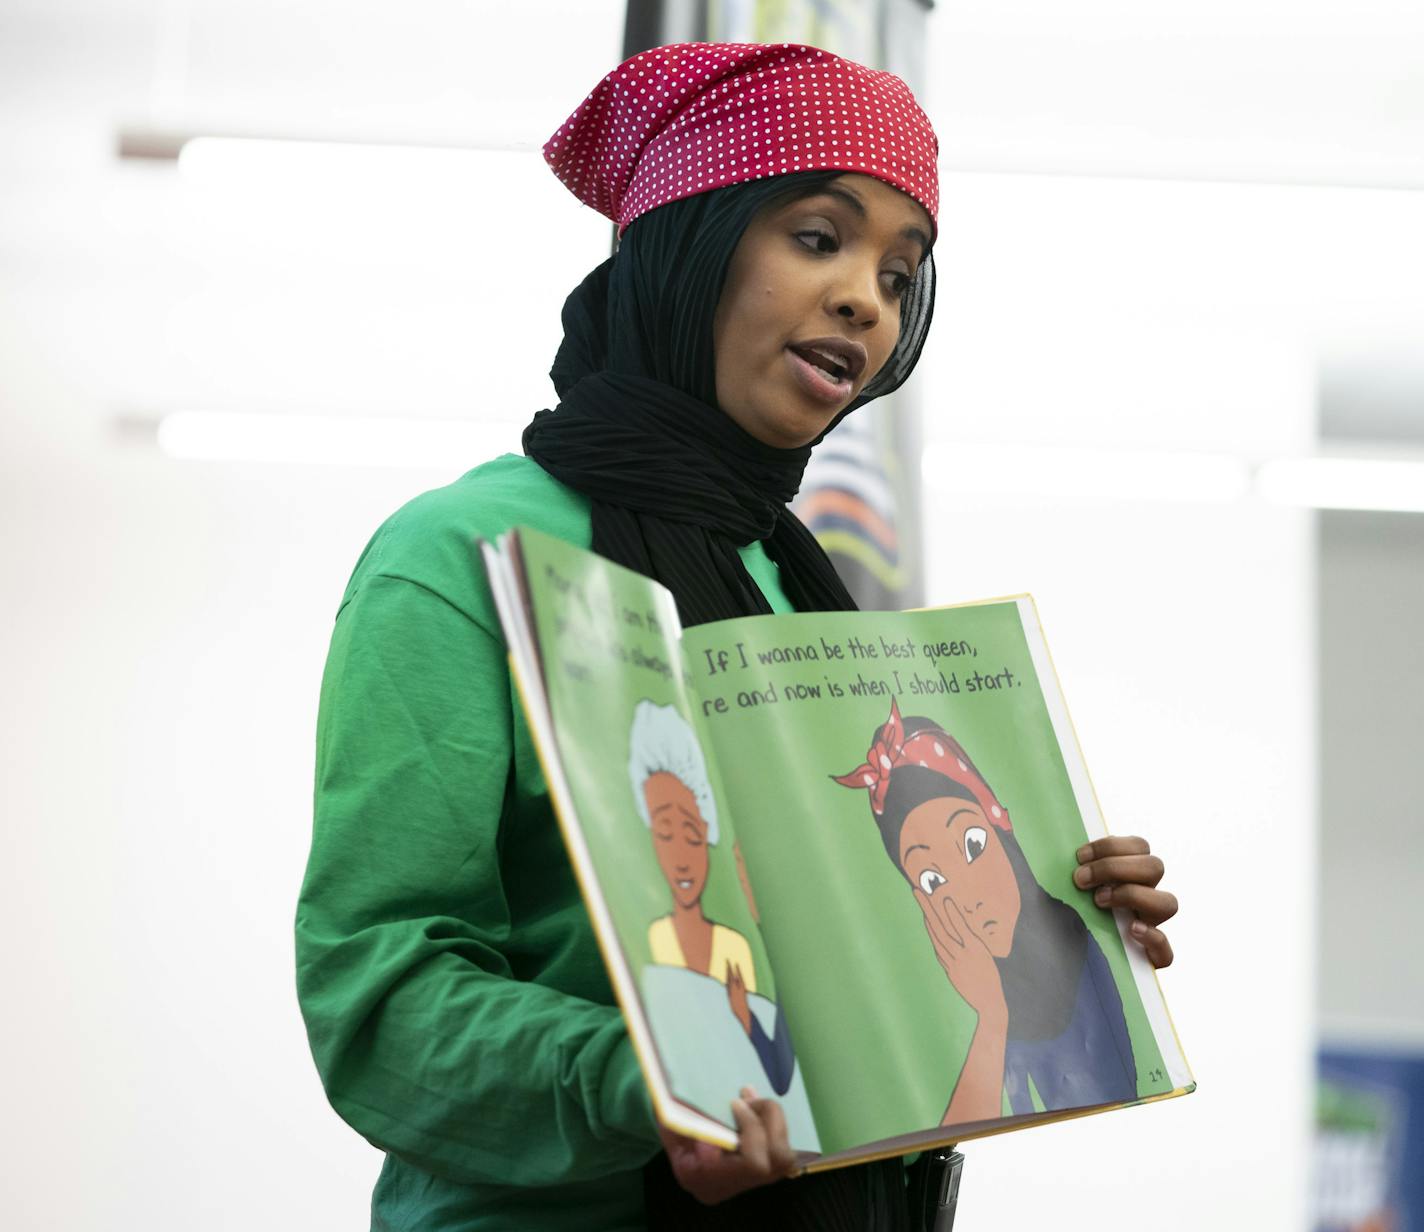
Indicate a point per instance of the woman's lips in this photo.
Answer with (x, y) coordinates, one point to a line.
(816, 382)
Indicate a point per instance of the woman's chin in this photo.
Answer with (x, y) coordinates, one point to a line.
(798, 423)
(784, 417)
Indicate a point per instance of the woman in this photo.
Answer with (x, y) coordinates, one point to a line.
(776, 206)
(675, 801)
(1050, 1017)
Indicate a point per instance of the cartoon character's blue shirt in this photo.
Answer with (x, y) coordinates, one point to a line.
(1090, 1063)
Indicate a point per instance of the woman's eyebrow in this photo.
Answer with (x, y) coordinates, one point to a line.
(949, 821)
(914, 233)
(905, 855)
(848, 198)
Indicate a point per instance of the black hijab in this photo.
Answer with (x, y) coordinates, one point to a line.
(677, 487)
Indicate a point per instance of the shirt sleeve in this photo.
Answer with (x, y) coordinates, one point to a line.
(425, 1041)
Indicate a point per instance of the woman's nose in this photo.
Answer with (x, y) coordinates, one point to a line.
(856, 301)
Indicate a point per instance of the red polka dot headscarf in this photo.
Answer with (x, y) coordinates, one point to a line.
(930, 748)
(690, 117)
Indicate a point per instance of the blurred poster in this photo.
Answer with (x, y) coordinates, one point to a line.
(1367, 1173)
(861, 493)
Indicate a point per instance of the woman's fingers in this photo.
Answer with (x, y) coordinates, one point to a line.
(1113, 845)
(1154, 906)
(943, 950)
(954, 919)
(780, 1157)
(947, 951)
(763, 1153)
(1107, 870)
(1154, 942)
(751, 1136)
(1126, 875)
(942, 933)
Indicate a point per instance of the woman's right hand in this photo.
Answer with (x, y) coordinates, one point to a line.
(964, 957)
(763, 1153)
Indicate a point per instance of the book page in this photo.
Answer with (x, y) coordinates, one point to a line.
(910, 801)
(657, 836)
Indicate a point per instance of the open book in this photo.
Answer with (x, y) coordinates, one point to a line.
(830, 855)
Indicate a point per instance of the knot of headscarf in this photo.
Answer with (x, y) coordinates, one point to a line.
(930, 748)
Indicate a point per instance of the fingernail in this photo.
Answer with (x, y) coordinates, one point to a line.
(1082, 875)
(749, 1093)
(1101, 896)
(1139, 929)
(1085, 853)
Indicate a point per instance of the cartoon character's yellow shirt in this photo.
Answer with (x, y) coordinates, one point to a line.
(729, 948)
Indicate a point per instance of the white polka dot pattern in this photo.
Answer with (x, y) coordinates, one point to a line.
(930, 748)
(683, 119)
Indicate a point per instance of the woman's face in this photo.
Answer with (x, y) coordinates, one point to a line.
(679, 835)
(810, 310)
(948, 846)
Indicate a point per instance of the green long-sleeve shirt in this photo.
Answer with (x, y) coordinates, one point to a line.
(456, 1004)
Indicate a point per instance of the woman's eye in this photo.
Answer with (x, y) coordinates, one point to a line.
(896, 282)
(930, 881)
(974, 842)
(821, 241)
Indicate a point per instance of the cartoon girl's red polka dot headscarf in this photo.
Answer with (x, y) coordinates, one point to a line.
(930, 748)
(690, 117)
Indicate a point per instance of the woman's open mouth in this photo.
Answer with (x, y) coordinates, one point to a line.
(826, 368)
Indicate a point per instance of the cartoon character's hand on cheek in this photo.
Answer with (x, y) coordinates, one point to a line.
(964, 957)
(737, 997)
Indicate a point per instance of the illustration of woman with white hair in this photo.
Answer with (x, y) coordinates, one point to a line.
(675, 801)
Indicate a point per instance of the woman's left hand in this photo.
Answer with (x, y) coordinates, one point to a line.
(763, 1153)
(1122, 872)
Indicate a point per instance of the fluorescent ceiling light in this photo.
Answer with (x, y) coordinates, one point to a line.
(333, 440)
(1028, 475)
(169, 144)
(990, 473)
(338, 168)
(1380, 484)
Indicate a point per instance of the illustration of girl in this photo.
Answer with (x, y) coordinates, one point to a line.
(675, 801)
(1050, 1015)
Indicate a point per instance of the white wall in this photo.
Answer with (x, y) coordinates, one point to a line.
(1372, 812)
(163, 625)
